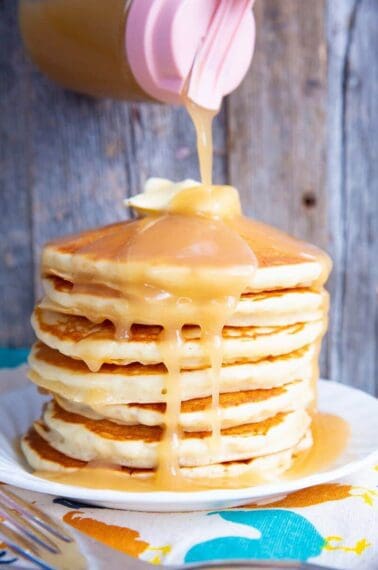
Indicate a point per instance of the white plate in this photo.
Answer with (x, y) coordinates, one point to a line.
(19, 408)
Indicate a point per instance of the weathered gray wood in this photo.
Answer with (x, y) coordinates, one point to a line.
(165, 144)
(83, 156)
(277, 121)
(353, 190)
(90, 155)
(16, 271)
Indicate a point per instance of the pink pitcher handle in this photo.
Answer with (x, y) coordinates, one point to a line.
(210, 40)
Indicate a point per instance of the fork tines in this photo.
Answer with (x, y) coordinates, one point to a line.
(29, 532)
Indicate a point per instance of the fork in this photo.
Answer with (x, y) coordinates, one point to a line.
(38, 538)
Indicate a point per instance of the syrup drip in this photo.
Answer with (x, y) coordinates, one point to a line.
(203, 123)
(330, 434)
(168, 472)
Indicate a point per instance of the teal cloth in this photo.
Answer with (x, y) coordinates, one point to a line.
(11, 357)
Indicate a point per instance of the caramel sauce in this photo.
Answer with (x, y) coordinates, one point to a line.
(330, 434)
(144, 483)
(80, 45)
(203, 123)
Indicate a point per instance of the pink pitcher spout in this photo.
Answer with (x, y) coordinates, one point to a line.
(208, 44)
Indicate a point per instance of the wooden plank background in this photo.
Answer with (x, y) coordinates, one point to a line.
(299, 140)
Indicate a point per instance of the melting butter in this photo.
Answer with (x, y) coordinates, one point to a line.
(157, 194)
(188, 198)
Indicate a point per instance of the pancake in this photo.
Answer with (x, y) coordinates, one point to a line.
(96, 344)
(271, 308)
(236, 408)
(117, 384)
(137, 446)
(43, 457)
(283, 261)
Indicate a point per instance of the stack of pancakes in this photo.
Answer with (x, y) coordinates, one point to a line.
(109, 392)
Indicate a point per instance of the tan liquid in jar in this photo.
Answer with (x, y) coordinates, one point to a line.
(80, 45)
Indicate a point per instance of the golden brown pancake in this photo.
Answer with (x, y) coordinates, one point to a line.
(96, 344)
(235, 408)
(134, 383)
(270, 308)
(44, 458)
(112, 430)
(282, 260)
(48, 453)
(137, 446)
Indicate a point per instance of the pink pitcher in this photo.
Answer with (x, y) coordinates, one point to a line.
(142, 49)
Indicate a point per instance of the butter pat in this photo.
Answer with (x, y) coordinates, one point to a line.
(157, 194)
(187, 197)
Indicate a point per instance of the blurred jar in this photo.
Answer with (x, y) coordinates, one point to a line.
(137, 50)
